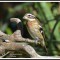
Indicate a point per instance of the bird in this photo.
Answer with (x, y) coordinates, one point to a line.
(34, 28)
(19, 24)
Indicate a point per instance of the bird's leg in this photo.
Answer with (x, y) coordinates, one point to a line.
(36, 40)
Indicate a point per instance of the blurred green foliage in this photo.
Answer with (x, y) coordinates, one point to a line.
(47, 13)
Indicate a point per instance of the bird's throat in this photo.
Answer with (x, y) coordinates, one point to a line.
(31, 23)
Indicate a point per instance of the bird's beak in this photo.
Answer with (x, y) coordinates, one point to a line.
(24, 17)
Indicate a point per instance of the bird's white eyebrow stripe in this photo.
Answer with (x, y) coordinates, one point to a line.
(29, 14)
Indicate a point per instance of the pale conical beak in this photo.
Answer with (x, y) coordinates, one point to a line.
(24, 17)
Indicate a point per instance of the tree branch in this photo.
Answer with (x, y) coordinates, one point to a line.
(13, 45)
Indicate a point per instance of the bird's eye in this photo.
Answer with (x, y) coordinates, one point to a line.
(31, 16)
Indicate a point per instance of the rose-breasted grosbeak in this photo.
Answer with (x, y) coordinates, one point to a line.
(34, 28)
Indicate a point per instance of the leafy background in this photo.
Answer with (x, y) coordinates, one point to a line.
(48, 14)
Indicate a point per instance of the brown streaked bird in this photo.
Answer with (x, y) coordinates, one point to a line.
(34, 28)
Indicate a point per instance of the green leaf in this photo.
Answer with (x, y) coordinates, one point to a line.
(8, 30)
(57, 32)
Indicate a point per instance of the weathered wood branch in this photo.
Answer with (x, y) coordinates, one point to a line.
(17, 46)
(13, 45)
(16, 36)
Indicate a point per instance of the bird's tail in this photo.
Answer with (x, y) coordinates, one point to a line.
(44, 46)
(46, 50)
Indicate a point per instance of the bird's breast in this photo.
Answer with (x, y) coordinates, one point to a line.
(33, 28)
(32, 24)
(29, 24)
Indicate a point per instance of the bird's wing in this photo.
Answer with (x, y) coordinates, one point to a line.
(41, 28)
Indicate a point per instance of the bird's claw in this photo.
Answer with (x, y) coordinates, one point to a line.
(36, 41)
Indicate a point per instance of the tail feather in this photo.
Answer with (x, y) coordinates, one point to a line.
(43, 45)
(46, 50)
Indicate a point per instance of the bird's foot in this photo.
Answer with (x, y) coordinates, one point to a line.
(36, 41)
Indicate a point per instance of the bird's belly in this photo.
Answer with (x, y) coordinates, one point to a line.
(33, 32)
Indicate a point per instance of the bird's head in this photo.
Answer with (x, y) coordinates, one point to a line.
(29, 17)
